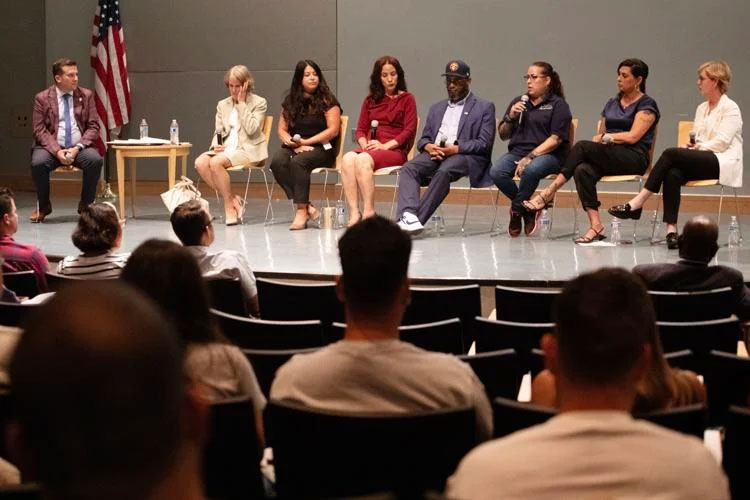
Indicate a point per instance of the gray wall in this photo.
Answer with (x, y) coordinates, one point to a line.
(583, 39)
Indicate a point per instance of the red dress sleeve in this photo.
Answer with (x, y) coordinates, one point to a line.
(364, 120)
(406, 137)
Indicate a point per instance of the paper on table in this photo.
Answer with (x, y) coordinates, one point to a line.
(138, 142)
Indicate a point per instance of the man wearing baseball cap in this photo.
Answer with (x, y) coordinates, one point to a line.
(456, 141)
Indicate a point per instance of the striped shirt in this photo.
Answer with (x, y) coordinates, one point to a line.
(99, 267)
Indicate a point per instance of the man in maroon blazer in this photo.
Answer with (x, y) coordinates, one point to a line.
(66, 125)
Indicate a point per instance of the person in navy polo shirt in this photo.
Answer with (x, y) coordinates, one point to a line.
(538, 130)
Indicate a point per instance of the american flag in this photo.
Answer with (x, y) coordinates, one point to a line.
(110, 70)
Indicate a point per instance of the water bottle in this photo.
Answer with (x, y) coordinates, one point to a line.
(545, 223)
(340, 219)
(615, 232)
(437, 223)
(174, 132)
(144, 129)
(734, 233)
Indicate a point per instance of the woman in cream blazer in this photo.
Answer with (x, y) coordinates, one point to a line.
(714, 151)
(239, 124)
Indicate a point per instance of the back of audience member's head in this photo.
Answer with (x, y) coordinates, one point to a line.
(189, 222)
(98, 229)
(169, 274)
(374, 257)
(604, 319)
(98, 386)
(6, 201)
(699, 239)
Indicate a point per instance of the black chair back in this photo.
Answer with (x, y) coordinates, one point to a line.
(727, 383)
(699, 305)
(691, 419)
(55, 282)
(510, 415)
(226, 295)
(701, 337)
(266, 362)
(231, 457)
(25, 491)
(250, 333)
(404, 453)
(14, 314)
(525, 305)
(736, 451)
(684, 359)
(494, 335)
(283, 301)
(440, 336)
(499, 372)
(428, 305)
(22, 282)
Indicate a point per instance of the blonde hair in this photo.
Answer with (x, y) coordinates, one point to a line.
(718, 71)
(241, 74)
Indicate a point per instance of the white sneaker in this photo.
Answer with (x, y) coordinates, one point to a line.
(410, 223)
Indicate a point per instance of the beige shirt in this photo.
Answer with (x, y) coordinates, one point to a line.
(387, 376)
(250, 114)
(587, 455)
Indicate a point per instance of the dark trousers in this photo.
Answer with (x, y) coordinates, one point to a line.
(436, 175)
(589, 161)
(43, 162)
(675, 167)
(292, 171)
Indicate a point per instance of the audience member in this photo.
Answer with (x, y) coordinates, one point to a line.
(371, 370)
(697, 244)
(599, 352)
(103, 410)
(194, 227)
(169, 275)
(98, 234)
(18, 257)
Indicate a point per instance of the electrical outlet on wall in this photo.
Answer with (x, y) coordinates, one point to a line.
(20, 122)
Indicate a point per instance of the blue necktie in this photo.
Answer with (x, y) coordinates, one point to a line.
(68, 126)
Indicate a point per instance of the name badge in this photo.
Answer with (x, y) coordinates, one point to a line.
(546, 107)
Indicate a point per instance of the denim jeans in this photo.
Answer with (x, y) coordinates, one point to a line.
(504, 168)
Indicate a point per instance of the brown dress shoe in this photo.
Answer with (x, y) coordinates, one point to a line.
(38, 215)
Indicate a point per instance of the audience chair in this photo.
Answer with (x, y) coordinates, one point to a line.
(691, 419)
(727, 382)
(683, 137)
(701, 337)
(266, 362)
(439, 336)
(24, 491)
(396, 170)
(640, 179)
(499, 372)
(336, 167)
(525, 305)
(322, 454)
(14, 314)
(430, 304)
(6, 416)
(510, 416)
(285, 301)
(231, 456)
(684, 360)
(22, 282)
(227, 295)
(56, 281)
(250, 333)
(736, 452)
(700, 305)
(493, 335)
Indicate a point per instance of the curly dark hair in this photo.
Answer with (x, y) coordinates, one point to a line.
(97, 230)
(377, 91)
(296, 104)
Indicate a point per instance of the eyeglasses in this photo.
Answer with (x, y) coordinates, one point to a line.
(532, 77)
(454, 80)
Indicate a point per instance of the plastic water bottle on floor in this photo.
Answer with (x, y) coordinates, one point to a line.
(614, 234)
(733, 240)
(436, 221)
(340, 216)
(143, 129)
(174, 132)
(545, 223)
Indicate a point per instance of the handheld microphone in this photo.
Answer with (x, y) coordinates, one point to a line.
(441, 141)
(692, 138)
(219, 138)
(297, 138)
(373, 129)
(524, 100)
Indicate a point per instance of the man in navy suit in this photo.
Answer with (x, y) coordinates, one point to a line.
(456, 141)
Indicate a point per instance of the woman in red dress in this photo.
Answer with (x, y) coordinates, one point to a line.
(392, 112)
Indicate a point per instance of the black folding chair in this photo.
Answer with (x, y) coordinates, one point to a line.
(55, 281)
(525, 305)
(439, 336)
(231, 457)
(320, 454)
(499, 372)
(510, 415)
(226, 295)
(24, 491)
(249, 333)
(284, 301)
(266, 362)
(698, 305)
(523, 337)
(727, 382)
(736, 451)
(700, 337)
(691, 419)
(22, 282)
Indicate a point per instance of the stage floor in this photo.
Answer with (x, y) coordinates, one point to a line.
(478, 257)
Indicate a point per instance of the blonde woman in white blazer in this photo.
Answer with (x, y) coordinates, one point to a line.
(239, 123)
(715, 153)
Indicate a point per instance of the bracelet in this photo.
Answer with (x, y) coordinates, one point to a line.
(508, 119)
(532, 156)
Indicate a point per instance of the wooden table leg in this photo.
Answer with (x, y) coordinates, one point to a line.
(172, 166)
(131, 163)
(120, 160)
(184, 165)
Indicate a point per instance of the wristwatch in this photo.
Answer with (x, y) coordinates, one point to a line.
(532, 156)
(80, 147)
(508, 119)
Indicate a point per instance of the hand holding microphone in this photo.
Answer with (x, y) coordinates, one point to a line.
(523, 101)
(691, 144)
(373, 142)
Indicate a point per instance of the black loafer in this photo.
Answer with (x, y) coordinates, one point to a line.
(624, 212)
(672, 241)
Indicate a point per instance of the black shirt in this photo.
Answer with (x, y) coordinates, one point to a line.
(551, 116)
